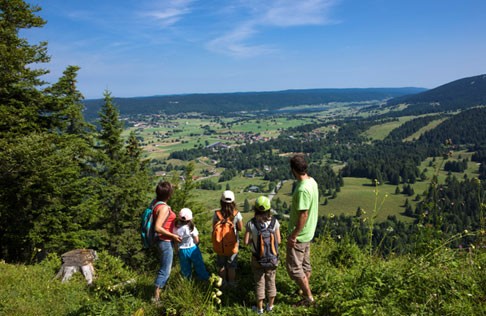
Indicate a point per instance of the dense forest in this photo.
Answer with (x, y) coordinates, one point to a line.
(459, 94)
(225, 103)
(63, 183)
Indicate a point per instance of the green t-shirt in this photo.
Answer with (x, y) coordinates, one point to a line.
(305, 197)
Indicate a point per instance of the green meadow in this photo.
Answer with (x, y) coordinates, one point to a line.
(381, 201)
(380, 131)
(178, 134)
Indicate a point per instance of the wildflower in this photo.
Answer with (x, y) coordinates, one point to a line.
(331, 215)
(219, 293)
(466, 231)
(219, 282)
(216, 280)
(390, 229)
(218, 300)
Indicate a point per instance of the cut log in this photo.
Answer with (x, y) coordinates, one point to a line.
(78, 260)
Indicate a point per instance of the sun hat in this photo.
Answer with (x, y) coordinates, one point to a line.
(228, 196)
(262, 203)
(185, 214)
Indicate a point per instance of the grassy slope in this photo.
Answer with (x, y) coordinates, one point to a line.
(345, 281)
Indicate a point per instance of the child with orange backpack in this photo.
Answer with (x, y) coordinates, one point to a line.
(263, 232)
(227, 222)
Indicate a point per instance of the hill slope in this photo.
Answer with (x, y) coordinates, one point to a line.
(459, 94)
(219, 103)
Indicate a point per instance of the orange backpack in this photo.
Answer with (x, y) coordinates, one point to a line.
(225, 242)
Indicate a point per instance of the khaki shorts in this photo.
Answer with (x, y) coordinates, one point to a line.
(264, 280)
(298, 260)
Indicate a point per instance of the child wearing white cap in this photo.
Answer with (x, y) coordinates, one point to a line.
(227, 264)
(189, 254)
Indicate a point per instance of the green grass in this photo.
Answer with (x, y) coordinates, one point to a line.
(358, 192)
(424, 129)
(345, 281)
(184, 133)
(380, 131)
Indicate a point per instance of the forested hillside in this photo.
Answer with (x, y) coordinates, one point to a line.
(460, 94)
(224, 103)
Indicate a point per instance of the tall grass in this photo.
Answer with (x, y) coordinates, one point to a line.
(345, 281)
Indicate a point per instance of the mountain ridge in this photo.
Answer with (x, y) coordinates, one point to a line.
(220, 103)
(458, 94)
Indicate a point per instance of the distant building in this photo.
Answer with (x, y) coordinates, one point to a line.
(218, 145)
(254, 189)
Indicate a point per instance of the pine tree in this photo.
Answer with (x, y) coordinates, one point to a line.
(42, 184)
(246, 206)
(125, 185)
(21, 103)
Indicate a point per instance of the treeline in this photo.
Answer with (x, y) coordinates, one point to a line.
(447, 210)
(464, 128)
(479, 156)
(223, 103)
(63, 183)
(392, 162)
(410, 127)
(457, 95)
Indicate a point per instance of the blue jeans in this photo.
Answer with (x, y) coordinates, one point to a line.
(189, 258)
(164, 248)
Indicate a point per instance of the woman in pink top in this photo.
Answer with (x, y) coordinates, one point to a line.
(164, 224)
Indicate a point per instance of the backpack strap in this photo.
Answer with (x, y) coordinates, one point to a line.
(272, 223)
(219, 215)
(257, 225)
(154, 207)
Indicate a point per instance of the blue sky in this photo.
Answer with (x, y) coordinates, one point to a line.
(148, 47)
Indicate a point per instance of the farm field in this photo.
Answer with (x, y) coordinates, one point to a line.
(380, 131)
(186, 133)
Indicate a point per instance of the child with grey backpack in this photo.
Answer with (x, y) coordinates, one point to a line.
(263, 232)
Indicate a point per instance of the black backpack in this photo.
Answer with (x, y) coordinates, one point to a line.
(267, 244)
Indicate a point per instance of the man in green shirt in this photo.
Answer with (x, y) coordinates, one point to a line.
(302, 226)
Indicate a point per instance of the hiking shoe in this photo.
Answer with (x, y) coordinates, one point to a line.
(269, 308)
(258, 311)
(156, 301)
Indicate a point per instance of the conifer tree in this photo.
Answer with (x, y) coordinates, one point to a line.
(125, 185)
(44, 194)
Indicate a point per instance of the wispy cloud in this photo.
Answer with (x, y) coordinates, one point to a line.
(284, 13)
(234, 43)
(269, 13)
(169, 12)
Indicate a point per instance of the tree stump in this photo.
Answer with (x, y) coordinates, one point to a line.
(78, 260)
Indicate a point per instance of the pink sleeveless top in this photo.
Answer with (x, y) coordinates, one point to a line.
(168, 224)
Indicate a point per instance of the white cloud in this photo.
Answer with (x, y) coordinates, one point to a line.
(285, 13)
(269, 13)
(169, 12)
(234, 43)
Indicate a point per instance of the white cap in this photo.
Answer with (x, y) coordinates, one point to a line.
(228, 196)
(185, 214)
